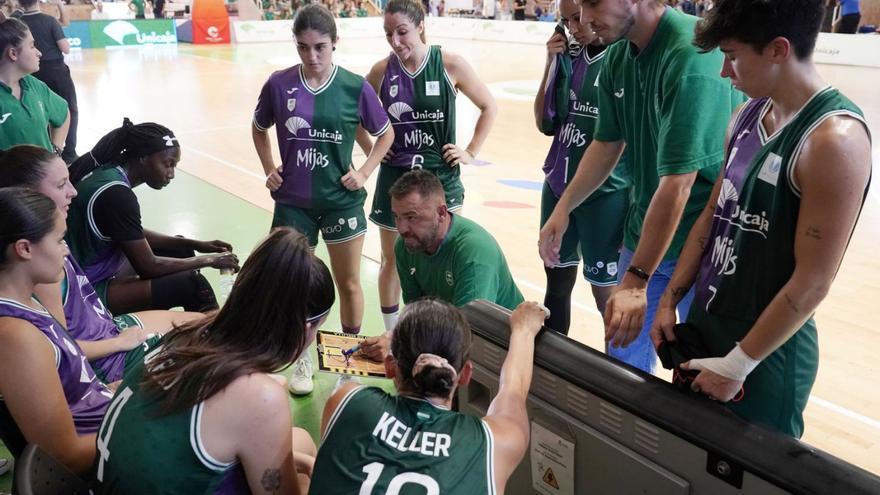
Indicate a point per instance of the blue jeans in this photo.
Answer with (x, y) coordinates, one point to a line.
(640, 352)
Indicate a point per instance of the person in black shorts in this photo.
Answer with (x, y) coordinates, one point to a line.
(105, 233)
(52, 43)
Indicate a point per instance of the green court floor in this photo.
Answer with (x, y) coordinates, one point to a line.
(193, 208)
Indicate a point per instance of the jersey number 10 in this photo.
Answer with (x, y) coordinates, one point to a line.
(374, 471)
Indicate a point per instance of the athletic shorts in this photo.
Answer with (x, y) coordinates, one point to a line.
(381, 214)
(126, 321)
(595, 231)
(336, 226)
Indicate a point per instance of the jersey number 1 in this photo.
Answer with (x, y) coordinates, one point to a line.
(374, 471)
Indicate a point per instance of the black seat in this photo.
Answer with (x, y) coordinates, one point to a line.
(38, 473)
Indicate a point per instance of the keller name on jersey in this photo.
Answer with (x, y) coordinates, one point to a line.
(399, 436)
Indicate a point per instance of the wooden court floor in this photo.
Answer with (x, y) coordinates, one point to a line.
(207, 94)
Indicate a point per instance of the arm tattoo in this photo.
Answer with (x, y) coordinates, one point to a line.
(271, 480)
(702, 240)
(814, 233)
(679, 292)
(791, 303)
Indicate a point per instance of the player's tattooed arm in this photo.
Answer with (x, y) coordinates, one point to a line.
(271, 480)
(814, 232)
(791, 303)
(703, 240)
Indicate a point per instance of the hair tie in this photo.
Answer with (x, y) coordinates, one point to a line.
(425, 359)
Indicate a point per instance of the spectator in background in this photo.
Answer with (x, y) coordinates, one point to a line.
(159, 9)
(98, 14)
(519, 10)
(850, 15)
(688, 7)
(138, 7)
(50, 40)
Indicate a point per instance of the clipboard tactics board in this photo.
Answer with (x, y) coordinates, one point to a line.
(331, 358)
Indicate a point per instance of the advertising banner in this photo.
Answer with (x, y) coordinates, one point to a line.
(133, 32)
(78, 35)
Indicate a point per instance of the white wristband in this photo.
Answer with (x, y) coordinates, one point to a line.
(736, 365)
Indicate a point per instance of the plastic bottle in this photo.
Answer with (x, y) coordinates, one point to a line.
(227, 280)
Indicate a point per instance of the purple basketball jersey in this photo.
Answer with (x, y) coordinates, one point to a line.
(86, 395)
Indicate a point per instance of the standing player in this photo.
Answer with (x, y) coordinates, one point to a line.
(50, 40)
(650, 84)
(375, 442)
(566, 108)
(201, 412)
(30, 112)
(797, 174)
(316, 107)
(418, 84)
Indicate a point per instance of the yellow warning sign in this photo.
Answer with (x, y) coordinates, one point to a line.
(550, 478)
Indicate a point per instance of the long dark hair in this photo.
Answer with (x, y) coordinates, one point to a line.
(260, 329)
(123, 144)
(24, 165)
(24, 214)
(431, 326)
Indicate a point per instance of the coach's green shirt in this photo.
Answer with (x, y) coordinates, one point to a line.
(671, 107)
(468, 265)
(27, 120)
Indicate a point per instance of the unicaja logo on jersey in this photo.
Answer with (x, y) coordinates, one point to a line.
(585, 108)
(739, 217)
(294, 124)
(397, 110)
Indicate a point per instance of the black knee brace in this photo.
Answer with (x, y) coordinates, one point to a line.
(557, 298)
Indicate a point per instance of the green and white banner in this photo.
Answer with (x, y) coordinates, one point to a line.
(133, 32)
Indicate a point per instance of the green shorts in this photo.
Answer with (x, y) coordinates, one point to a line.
(595, 228)
(336, 226)
(381, 214)
(101, 289)
(126, 321)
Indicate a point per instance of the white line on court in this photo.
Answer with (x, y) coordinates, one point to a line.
(540, 290)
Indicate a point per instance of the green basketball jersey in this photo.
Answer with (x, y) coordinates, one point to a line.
(422, 110)
(140, 452)
(316, 129)
(377, 443)
(468, 265)
(98, 255)
(757, 214)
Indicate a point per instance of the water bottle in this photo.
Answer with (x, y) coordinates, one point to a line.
(227, 279)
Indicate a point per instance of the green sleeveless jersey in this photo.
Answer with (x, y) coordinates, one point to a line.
(98, 255)
(750, 256)
(140, 452)
(381, 444)
(422, 110)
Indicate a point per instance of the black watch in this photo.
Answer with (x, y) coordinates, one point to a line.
(639, 272)
(56, 149)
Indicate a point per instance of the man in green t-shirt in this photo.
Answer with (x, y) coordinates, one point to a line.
(667, 104)
(443, 255)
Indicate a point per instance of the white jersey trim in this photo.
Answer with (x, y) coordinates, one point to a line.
(91, 206)
(335, 416)
(490, 458)
(762, 133)
(195, 439)
(383, 130)
(413, 75)
(792, 161)
(320, 89)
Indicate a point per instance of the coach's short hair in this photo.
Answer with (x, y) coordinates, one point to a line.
(758, 22)
(420, 181)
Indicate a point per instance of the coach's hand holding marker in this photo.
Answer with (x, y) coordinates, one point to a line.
(722, 377)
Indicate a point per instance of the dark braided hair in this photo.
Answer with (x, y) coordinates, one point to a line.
(126, 143)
